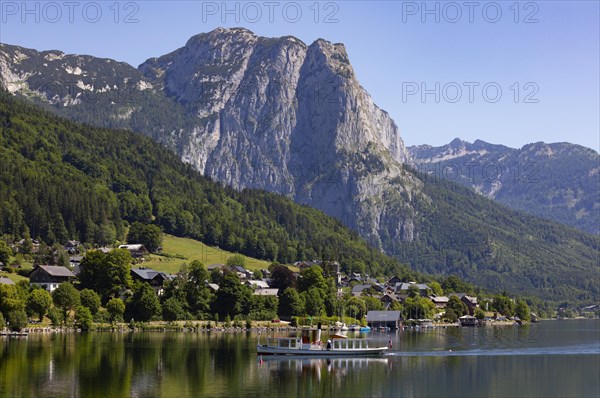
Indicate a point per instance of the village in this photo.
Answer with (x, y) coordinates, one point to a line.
(360, 299)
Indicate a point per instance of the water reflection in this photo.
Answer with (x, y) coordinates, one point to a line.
(549, 359)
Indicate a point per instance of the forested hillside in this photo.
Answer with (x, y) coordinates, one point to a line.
(61, 180)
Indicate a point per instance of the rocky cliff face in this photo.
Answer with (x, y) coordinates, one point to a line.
(249, 111)
(557, 181)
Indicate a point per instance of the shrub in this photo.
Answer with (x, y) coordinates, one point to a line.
(17, 320)
(55, 316)
(83, 318)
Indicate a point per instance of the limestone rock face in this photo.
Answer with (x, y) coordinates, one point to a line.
(250, 111)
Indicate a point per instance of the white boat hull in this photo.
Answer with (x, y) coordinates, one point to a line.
(321, 352)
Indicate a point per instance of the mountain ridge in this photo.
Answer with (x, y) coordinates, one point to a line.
(278, 115)
(557, 181)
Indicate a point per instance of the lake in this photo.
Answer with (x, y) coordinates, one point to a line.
(547, 359)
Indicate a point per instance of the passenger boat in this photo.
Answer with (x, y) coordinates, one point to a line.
(337, 345)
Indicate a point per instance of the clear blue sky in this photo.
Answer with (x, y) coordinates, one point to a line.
(550, 49)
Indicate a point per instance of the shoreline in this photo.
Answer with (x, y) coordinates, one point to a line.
(206, 327)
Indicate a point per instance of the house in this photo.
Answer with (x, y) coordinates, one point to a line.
(470, 301)
(357, 290)
(403, 288)
(266, 292)
(156, 279)
(72, 247)
(257, 284)
(213, 267)
(394, 280)
(306, 264)
(49, 277)
(75, 261)
(6, 281)
(242, 272)
(467, 320)
(387, 319)
(440, 301)
(136, 251)
(388, 298)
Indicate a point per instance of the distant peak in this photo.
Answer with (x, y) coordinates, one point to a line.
(232, 31)
(457, 142)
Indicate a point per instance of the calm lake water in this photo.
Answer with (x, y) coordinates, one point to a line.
(548, 359)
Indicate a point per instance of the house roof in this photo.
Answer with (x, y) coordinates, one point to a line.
(6, 281)
(215, 266)
(406, 285)
(213, 286)
(265, 292)
(55, 270)
(383, 316)
(439, 299)
(390, 296)
(148, 273)
(360, 288)
(258, 283)
(134, 247)
(239, 268)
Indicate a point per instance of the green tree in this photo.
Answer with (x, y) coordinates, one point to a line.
(355, 307)
(263, 308)
(290, 303)
(172, 310)
(67, 298)
(232, 297)
(413, 291)
(522, 311)
(2, 322)
(436, 288)
(395, 306)
(504, 305)
(39, 302)
(237, 260)
(90, 300)
(479, 314)
(418, 308)
(453, 284)
(55, 316)
(148, 235)
(17, 320)
(116, 309)
(144, 304)
(189, 288)
(450, 315)
(107, 274)
(457, 306)
(312, 277)
(372, 304)
(314, 304)
(5, 253)
(10, 299)
(83, 318)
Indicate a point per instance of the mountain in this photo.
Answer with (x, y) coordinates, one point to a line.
(61, 180)
(252, 112)
(279, 115)
(559, 181)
